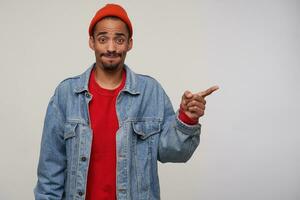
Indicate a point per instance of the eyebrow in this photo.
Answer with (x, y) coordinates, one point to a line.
(103, 33)
(120, 34)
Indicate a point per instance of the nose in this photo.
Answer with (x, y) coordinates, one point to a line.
(111, 47)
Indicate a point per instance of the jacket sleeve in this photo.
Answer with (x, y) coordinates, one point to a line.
(52, 160)
(178, 140)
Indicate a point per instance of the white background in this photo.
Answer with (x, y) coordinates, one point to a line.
(250, 136)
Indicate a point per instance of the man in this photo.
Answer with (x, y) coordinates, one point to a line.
(106, 128)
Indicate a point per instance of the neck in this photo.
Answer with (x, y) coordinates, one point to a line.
(108, 79)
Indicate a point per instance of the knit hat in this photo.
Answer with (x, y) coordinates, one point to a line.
(111, 10)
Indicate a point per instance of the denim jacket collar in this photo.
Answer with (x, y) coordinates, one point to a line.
(130, 85)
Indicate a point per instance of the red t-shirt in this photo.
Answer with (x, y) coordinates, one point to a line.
(101, 182)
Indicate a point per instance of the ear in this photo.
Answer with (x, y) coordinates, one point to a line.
(130, 44)
(92, 43)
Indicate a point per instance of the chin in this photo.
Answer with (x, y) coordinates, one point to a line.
(110, 66)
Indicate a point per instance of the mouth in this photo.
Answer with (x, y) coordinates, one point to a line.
(111, 55)
(110, 58)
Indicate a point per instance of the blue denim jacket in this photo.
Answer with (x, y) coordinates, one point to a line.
(149, 130)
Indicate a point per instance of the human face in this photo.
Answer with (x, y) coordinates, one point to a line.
(110, 43)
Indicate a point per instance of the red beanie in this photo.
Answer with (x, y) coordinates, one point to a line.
(111, 10)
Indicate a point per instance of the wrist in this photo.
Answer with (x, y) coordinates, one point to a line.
(185, 118)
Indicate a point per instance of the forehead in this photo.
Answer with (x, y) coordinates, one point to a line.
(111, 26)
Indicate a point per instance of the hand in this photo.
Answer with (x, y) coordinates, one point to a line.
(193, 105)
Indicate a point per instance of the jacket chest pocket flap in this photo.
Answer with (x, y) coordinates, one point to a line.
(69, 130)
(145, 129)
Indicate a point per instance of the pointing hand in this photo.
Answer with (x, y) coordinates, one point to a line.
(194, 104)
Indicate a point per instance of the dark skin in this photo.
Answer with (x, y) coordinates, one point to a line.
(110, 43)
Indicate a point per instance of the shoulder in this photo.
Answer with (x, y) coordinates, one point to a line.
(69, 82)
(68, 85)
(148, 80)
(149, 85)
(141, 82)
(65, 92)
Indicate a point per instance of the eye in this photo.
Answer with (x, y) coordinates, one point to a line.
(102, 39)
(120, 40)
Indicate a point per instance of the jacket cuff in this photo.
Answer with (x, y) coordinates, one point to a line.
(186, 128)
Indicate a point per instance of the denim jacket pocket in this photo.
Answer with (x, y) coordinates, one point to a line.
(144, 136)
(145, 129)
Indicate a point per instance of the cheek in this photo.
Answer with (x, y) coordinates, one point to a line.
(99, 47)
(123, 49)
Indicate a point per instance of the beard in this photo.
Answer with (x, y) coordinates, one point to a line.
(110, 66)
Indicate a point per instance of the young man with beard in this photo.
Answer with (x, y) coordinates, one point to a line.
(105, 129)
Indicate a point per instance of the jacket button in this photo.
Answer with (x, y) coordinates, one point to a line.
(80, 193)
(87, 95)
(83, 158)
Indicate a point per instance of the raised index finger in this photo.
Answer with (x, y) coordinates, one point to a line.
(208, 91)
